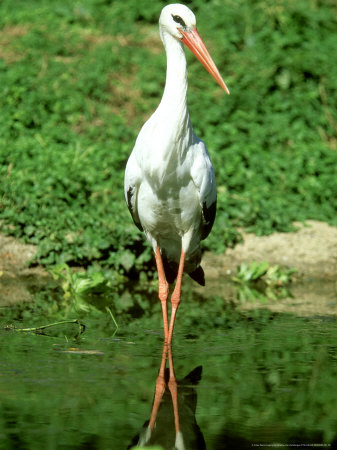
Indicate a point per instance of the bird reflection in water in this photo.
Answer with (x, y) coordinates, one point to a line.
(172, 424)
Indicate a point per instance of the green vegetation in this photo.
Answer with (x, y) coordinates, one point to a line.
(78, 79)
(261, 281)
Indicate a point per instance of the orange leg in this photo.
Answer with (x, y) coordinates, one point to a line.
(172, 384)
(163, 290)
(160, 389)
(175, 297)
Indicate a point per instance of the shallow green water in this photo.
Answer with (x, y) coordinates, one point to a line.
(266, 379)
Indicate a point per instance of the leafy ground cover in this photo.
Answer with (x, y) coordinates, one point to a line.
(78, 79)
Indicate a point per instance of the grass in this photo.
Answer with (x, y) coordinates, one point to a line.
(78, 79)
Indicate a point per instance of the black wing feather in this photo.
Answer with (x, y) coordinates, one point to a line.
(130, 202)
(208, 215)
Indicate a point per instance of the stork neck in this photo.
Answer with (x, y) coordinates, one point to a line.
(175, 92)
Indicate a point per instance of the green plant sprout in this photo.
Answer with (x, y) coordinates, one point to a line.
(77, 286)
(262, 281)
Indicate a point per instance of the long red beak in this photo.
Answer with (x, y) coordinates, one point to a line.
(194, 42)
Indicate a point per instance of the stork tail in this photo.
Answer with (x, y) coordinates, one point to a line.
(198, 275)
(171, 271)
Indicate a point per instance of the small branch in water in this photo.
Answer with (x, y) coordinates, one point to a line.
(38, 330)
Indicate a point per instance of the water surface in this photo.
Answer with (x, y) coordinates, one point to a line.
(267, 378)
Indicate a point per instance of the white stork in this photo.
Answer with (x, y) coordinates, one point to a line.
(169, 179)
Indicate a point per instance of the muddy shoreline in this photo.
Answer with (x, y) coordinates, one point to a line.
(312, 250)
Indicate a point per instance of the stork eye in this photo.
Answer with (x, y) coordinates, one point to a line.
(179, 20)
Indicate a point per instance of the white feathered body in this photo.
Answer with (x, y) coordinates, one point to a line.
(169, 178)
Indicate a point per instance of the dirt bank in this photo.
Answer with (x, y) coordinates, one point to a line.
(16, 278)
(312, 250)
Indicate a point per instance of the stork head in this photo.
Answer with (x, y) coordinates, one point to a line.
(179, 21)
(177, 17)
